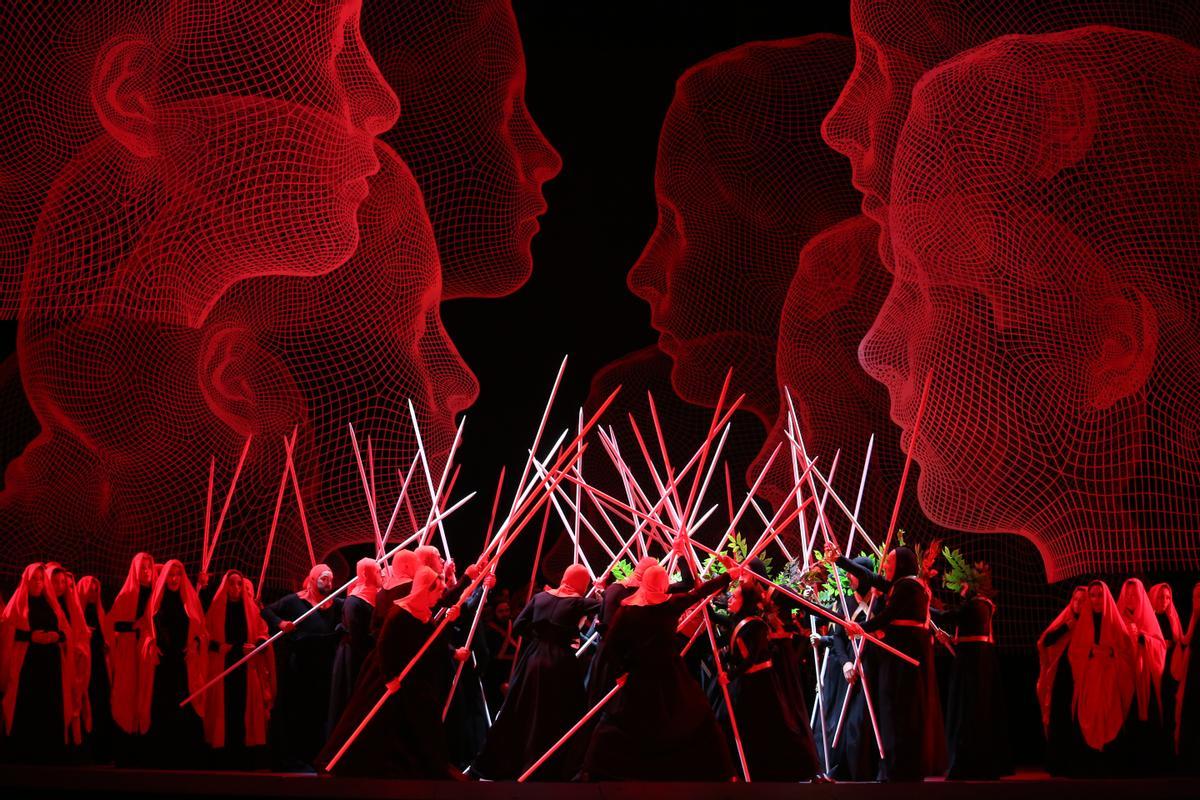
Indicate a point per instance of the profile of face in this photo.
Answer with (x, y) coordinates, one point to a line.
(1096, 598)
(502, 613)
(898, 41)
(201, 164)
(1078, 598)
(1041, 278)
(833, 298)
(743, 180)
(353, 346)
(174, 577)
(889, 565)
(459, 70)
(37, 583)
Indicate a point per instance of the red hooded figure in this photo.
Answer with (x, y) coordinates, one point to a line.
(195, 650)
(1103, 663)
(127, 624)
(36, 668)
(224, 649)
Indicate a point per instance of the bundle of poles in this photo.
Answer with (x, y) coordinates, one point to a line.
(665, 517)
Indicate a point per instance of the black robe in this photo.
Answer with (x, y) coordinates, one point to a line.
(304, 669)
(855, 754)
(356, 643)
(547, 694)
(769, 705)
(1189, 716)
(1065, 747)
(659, 726)
(176, 735)
(976, 722)
(234, 754)
(1170, 688)
(99, 741)
(406, 739)
(906, 700)
(468, 717)
(38, 734)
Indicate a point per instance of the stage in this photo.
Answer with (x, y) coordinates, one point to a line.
(103, 782)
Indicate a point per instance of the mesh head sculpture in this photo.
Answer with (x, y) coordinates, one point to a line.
(1043, 225)
(175, 302)
(466, 133)
(743, 181)
(897, 41)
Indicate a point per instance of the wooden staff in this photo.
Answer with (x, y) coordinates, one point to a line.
(212, 547)
(287, 447)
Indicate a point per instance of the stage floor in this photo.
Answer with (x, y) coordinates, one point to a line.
(102, 782)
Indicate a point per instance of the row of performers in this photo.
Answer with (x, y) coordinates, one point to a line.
(115, 681)
(1113, 683)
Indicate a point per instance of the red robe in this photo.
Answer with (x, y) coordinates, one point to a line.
(12, 652)
(260, 671)
(197, 652)
(1104, 672)
(125, 656)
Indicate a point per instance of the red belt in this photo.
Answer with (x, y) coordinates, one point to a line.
(909, 623)
(985, 639)
(758, 668)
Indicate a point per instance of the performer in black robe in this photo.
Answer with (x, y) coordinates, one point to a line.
(176, 735)
(358, 612)
(547, 695)
(1163, 601)
(129, 624)
(768, 704)
(304, 659)
(1187, 719)
(1056, 691)
(976, 722)
(501, 645)
(659, 725)
(99, 741)
(855, 756)
(406, 739)
(35, 638)
(907, 705)
(468, 717)
(1144, 737)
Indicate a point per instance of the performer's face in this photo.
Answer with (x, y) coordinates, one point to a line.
(325, 582)
(233, 587)
(145, 572)
(1163, 602)
(37, 583)
(59, 581)
(1096, 596)
(175, 577)
(1077, 598)
(502, 612)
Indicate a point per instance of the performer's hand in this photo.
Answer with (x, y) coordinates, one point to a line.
(202, 580)
(853, 629)
(848, 671)
(452, 612)
(472, 572)
(448, 572)
(393, 685)
(943, 637)
(723, 678)
(679, 546)
(815, 638)
(247, 648)
(490, 581)
(287, 626)
(832, 551)
(1133, 628)
(462, 654)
